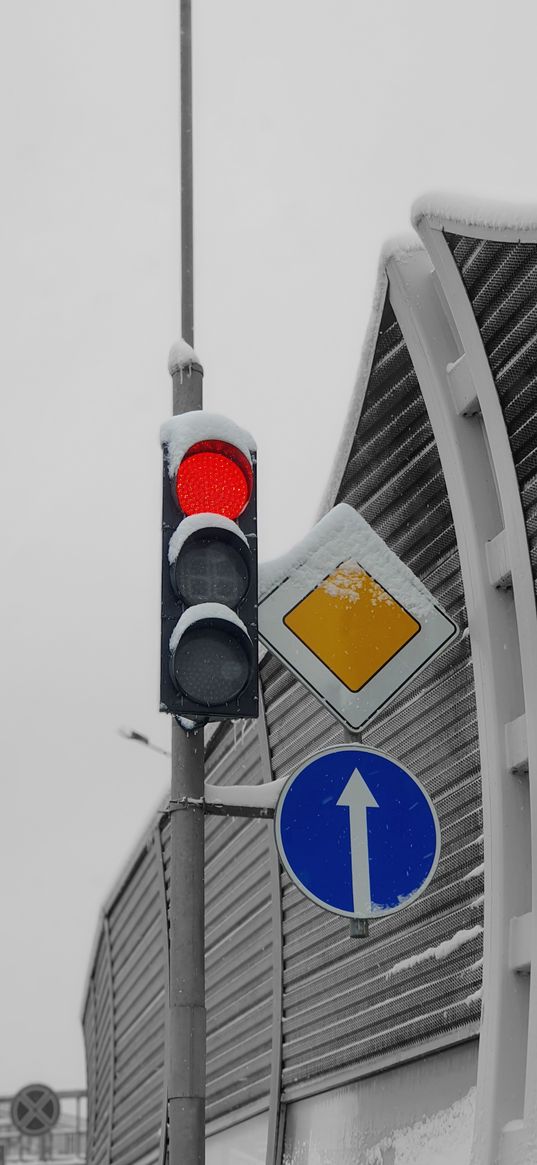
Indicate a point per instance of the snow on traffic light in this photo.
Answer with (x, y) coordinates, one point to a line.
(209, 569)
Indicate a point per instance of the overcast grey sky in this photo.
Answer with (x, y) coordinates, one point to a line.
(316, 125)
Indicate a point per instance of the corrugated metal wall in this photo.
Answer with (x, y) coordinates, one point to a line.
(342, 1006)
(124, 1016)
(98, 1032)
(501, 282)
(137, 950)
(124, 1019)
(238, 935)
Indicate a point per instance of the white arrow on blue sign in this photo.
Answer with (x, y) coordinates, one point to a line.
(357, 832)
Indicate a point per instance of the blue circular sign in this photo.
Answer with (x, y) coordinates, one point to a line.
(356, 832)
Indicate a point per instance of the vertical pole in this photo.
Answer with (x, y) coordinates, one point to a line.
(358, 927)
(186, 997)
(186, 1043)
(78, 1146)
(186, 1072)
(187, 195)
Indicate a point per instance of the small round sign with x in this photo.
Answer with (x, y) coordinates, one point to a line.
(35, 1110)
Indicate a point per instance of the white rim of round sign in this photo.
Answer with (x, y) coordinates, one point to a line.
(280, 847)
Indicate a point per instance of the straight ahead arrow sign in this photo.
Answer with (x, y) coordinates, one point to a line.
(353, 864)
(358, 798)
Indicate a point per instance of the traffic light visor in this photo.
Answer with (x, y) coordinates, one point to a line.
(210, 655)
(212, 567)
(214, 477)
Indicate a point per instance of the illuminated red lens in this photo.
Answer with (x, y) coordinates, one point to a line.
(214, 478)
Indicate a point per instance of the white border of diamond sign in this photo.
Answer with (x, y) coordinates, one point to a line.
(343, 536)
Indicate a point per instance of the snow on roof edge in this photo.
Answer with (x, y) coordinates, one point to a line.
(488, 213)
(357, 396)
(398, 247)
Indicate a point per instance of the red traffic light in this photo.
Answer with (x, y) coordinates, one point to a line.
(209, 569)
(214, 477)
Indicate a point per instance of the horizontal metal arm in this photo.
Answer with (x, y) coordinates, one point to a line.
(218, 809)
(238, 810)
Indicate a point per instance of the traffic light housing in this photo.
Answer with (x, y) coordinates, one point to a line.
(209, 569)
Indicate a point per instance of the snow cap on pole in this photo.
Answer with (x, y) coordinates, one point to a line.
(182, 357)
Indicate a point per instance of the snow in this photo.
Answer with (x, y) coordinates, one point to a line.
(257, 796)
(442, 1139)
(475, 212)
(475, 873)
(398, 247)
(187, 724)
(442, 951)
(358, 394)
(200, 522)
(343, 530)
(474, 997)
(181, 356)
(343, 584)
(179, 433)
(204, 611)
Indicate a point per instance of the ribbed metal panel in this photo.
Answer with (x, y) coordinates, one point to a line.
(124, 1022)
(103, 1054)
(342, 1007)
(88, 1027)
(238, 935)
(137, 957)
(501, 282)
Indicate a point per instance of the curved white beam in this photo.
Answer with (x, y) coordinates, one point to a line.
(520, 1137)
(434, 348)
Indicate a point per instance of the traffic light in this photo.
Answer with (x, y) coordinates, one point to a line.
(209, 569)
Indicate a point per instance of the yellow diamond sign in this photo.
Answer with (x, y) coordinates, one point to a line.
(349, 618)
(352, 625)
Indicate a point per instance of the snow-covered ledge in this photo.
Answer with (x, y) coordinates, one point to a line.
(235, 800)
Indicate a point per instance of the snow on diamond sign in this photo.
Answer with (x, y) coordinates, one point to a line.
(349, 618)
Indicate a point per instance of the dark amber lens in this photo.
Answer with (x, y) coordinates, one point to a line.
(211, 665)
(211, 570)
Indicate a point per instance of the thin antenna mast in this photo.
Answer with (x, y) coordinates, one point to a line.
(187, 194)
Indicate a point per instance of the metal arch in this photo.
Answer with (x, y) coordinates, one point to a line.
(159, 859)
(520, 1138)
(434, 344)
(276, 1115)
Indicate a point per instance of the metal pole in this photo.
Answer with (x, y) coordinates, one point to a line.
(186, 1066)
(358, 927)
(187, 1027)
(186, 1071)
(187, 196)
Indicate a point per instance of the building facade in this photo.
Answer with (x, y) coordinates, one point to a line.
(327, 1048)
